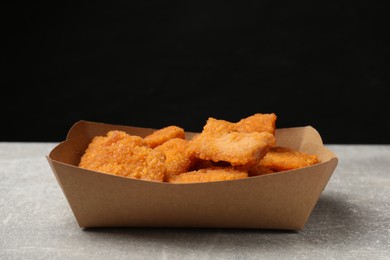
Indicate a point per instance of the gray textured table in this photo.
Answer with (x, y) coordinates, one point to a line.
(350, 221)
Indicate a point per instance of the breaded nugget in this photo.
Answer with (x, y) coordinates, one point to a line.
(257, 123)
(255, 170)
(177, 160)
(283, 159)
(125, 155)
(208, 175)
(162, 135)
(219, 141)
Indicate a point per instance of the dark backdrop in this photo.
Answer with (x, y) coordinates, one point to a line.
(152, 64)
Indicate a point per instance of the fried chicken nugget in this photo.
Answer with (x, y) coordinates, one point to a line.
(178, 160)
(257, 123)
(208, 175)
(255, 170)
(283, 159)
(119, 153)
(219, 141)
(162, 135)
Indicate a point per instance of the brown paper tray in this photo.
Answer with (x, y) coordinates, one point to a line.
(281, 200)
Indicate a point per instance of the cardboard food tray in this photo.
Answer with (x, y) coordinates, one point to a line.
(281, 200)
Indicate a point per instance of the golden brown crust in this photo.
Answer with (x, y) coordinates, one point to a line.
(283, 159)
(208, 175)
(125, 155)
(178, 160)
(256, 170)
(219, 141)
(257, 123)
(162, 135)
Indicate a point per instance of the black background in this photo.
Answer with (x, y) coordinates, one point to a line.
(152, 64)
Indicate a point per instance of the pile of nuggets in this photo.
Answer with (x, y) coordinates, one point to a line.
(222, 151)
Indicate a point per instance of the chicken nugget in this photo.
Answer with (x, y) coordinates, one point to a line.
(121, 154)
(162, 135)
(208, 175)
(283, 159)
(257, 123)
(177, 160)
(255, 170)
(219, 141)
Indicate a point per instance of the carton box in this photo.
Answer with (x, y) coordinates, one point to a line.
(281, 200)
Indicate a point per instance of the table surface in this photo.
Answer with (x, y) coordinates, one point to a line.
(350, 221)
